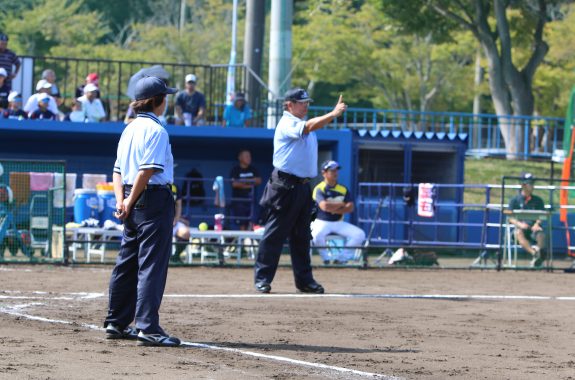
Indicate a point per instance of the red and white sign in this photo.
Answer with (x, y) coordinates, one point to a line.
(425, 200)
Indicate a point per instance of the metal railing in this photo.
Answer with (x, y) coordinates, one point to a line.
(533, 136)
(114, 77)
(465, 216)
(528, 136)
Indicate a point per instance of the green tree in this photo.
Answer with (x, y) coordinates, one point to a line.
(364, 52)
(498, 25)
(53, 26)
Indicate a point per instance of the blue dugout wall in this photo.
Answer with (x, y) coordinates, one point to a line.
(91, 148)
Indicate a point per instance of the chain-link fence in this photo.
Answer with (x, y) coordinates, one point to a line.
(32, 210)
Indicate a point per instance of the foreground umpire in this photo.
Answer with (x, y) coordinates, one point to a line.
(286, 199)
(143, 173)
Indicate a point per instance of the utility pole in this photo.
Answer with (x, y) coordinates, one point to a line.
(253, 47)
(182, 16)
(280, 54)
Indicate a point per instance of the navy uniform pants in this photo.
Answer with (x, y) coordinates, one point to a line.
(287, 203)
(139, 277)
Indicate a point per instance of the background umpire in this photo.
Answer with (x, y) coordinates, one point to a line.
(143, 173)
(287, 199)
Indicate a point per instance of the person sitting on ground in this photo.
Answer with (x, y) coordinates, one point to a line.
(4, 89)
(42, 87)
(334, 201)
(15, 111)
(245, 177)
(50, 76)
(91, 78)
(190, 104)
(91, 105)
(42, 112)
(77, 114)
(529, 233)
(238, 114)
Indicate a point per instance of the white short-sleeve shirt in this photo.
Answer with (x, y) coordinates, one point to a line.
(145, 144)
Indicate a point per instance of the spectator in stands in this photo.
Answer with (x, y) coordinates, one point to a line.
(8, 60)
(50, 76)
(42, 112)
(238, 114)
(42, 87)
(15, 111)
(334, 201)
(245, 177)
(77, 114)
(92, 78)
(4, 90)
(529, 233)
(190, 104)
(91, 105)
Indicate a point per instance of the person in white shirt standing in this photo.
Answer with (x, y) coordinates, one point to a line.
(91, 105)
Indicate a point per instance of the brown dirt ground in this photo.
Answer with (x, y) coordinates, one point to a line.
(412, 338)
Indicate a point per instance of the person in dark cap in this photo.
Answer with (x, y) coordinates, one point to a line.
(334, 201)
(286, 200)
(238, 114)
(529, 233)
(8, 60)
(143, 175)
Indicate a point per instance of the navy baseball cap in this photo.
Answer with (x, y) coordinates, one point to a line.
(148, 87)
(330, 165)
(297, 95)
(3, 37)
(527, 178)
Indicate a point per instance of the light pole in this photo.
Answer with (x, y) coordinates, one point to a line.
(231, 80)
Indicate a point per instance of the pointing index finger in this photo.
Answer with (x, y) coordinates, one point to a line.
(340, 98)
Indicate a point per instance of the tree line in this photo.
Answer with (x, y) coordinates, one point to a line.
(501, 56)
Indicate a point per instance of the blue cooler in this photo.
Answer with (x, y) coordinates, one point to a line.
(107, 206)
(85, 205)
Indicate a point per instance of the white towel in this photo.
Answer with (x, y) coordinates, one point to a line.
(70, 187)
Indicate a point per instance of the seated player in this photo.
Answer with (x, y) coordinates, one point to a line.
(334, 201)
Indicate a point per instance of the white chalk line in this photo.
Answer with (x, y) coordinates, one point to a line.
(88, 296)
(14, 311)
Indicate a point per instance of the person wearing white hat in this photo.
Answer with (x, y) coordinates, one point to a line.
(15, 111)
(91, 105)
(42, 87)
(190, 104)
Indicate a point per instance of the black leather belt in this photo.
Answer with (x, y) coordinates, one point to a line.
(149, 187)
(291, 178)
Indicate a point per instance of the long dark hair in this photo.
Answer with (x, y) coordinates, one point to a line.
(147, 105)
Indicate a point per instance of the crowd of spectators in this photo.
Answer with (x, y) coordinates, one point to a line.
(49, 103)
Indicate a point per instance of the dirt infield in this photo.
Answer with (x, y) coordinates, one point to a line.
(415, 324)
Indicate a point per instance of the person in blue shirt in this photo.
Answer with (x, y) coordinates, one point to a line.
(143, 175)
(238, 114)
(286, 200)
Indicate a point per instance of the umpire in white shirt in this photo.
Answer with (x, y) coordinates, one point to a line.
(286, 200)
(143, 174)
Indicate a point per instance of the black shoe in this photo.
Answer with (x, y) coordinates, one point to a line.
(157, 340)
(115, 332)
(313, 287)
(263, 287)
